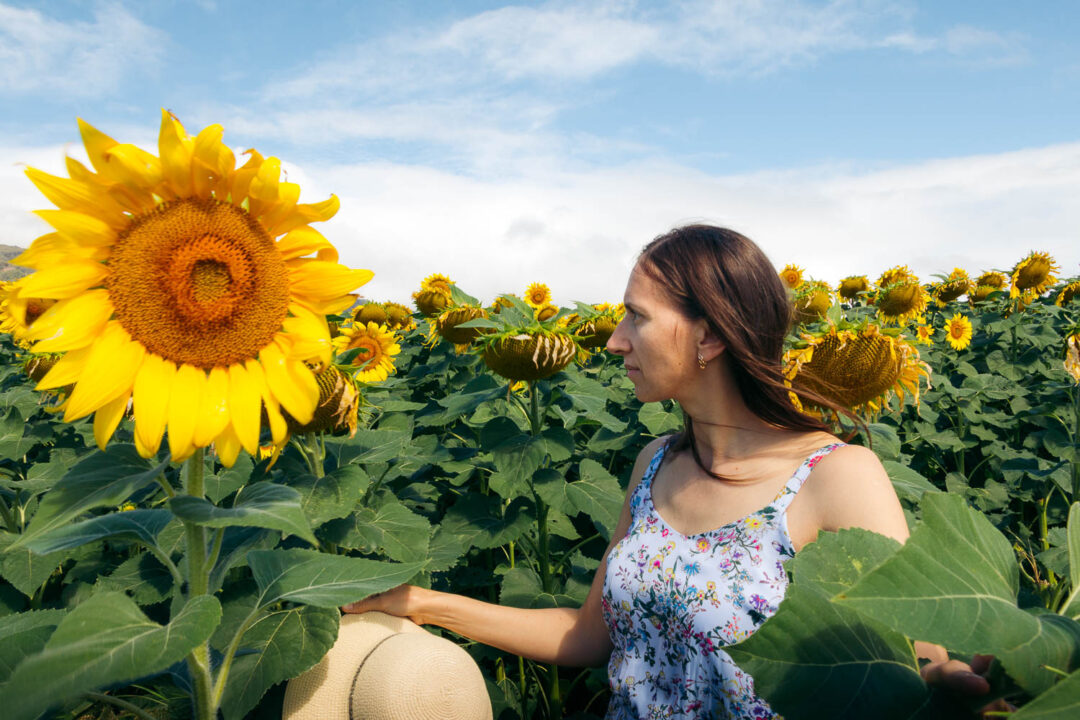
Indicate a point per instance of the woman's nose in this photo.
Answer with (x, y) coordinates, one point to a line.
(617, 344)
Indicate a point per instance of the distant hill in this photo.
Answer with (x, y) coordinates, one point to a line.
(7, 270)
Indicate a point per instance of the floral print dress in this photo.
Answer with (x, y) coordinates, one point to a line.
(672, 602)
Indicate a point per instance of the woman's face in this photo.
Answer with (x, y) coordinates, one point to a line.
(657, 342)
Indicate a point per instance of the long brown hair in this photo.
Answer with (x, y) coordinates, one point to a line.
(722, 277)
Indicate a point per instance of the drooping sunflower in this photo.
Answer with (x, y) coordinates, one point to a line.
(1068, 294)
(376, 347)
(991, 278)
(924, 334)
(546, 312)
(952, 287)
(434, 295)
(894, 275)
(18, 312)
(370, 312)
(812, 300)
(1033, 275)
(792, 276)
(530, 355)
(902, 300)
(1072, 357)
(851, 286)
(593, 332)
(538, 295)
(446, 325)
(958, 331)
(187, 285)
(399, 317)
(336, 411)
(860, 368)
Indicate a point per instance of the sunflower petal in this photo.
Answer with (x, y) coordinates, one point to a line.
(244, 405)
(325, 280)
(213, 407)
(134, 166)
(97, 145)
(82, 229)
(153, 386)
(107, 417)
(184, 402)
(175, 148)
(308, 335)
(227, 446)
(69, 194)
(264, 186)
(294, 387)
(302, 241)
(110, 371)
(63, 281)
(72, 323)
(66, 370)
(305, 213)
(278, 428)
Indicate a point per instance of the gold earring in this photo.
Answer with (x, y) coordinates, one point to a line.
(701, 363)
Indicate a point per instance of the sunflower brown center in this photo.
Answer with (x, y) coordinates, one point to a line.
(199, 282)
(367, 348)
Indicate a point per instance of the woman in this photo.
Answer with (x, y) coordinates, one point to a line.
(695, 562)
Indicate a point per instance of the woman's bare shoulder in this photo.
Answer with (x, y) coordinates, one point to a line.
(643, 459)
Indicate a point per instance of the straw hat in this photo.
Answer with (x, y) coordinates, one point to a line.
(388, 668)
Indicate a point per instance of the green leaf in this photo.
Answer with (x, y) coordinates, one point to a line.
(836, 560)
(523, 454)
(520, 587)
(1061, 702)
(24, 569)
(104, 479)
(907, 483)
(885, 441)
(852, 667)
(598, 495)
(953, 583)
(1056, 644)
(277, 647)
(226, 481)
(658, 420)
(142, 525)
(236, 544)
(332, 496)
(479, 521)
(393, 528)
(550, 485)
(13, 444)
(370, 446)
(23, 635)
(265, 505)
(314, 578)
(106, 640)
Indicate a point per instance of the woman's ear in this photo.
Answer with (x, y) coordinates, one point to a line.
(709, 344)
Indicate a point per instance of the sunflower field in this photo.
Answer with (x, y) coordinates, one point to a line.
(207, 446)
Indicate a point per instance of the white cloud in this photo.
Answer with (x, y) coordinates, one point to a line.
(85, 59)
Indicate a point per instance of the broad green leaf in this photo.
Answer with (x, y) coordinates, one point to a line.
(332, 496)
(142, 576)
(885, 441)
(1061, 702)
(444, 550)
(143, 525)
(235, 545)
(277, 647)
(598, 495)
(458, 405)
(370, 446)
(523, 454)
(850, 666)
(550, 485)
(907, 483)
(106, 640)
(265, 505)
(479, 521)
(42, 476)
(13, 443)
(1056, 644)
(954, 583)
(314, 578)
(836, 560)
(658, 420)
(510, 485)
(226, 481)
(393, 528)
(104, 479)
(24, 569)
(23, 635)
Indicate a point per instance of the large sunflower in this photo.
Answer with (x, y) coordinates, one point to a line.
(791, 276)
(376, 347)
(902, 300)
(812, 300)
(187, 285)
(958, 331)
(858, 368)
(1033, 275)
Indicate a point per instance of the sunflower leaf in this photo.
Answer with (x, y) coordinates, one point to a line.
(265, 505)
(23, 635)
(322, 580)
(105, 640)
(142, 525)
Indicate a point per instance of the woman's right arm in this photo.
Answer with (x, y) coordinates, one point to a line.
(563, 636)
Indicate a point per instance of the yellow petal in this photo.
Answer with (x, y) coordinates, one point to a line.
(213, 407)
(325, 280)
(66, 370)
(134, 166)
(227, 446)
(278, 428)
(308, 335)
(303, 241)
(72, 323)
(109, 372)
(288, 195)
(97, 145)
(305, 213)
(264, 186)
(244, 405)
(108, 417)
(243, 177)
(53, 249)
(63, 281)
(153, 386)
(78, 196)
(80, 228)
(292, 383)
(175, 149)
(184, 409)
(212, 162)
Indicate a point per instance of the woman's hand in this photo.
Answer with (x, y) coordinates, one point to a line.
(402, 601)
(964, 680)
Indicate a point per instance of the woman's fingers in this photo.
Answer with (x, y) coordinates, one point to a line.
(956, 676)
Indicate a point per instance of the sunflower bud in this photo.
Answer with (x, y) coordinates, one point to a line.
(431, 302)
(371, 312)
(530, 356)
(447, 324)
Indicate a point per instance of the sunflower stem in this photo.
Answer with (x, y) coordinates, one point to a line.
(198, 581)
(122, 704)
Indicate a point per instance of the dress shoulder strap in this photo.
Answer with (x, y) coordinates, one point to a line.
(802, 473)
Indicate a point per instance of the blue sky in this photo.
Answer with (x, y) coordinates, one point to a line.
(503, 144)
